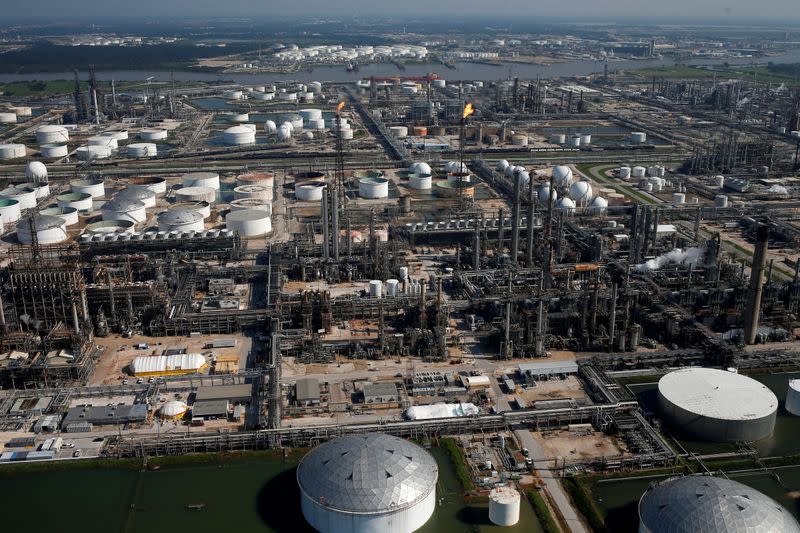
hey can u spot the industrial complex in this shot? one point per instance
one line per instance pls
(552, 280)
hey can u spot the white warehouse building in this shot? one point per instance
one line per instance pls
(370, 483)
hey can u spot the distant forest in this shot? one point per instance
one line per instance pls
(786, 69)
(47, 57)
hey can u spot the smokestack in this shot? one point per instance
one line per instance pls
(531, 212)
(753, 309)
(612, 316)
(515, 219)
(325, 224)
(335, 222)
(476, 247)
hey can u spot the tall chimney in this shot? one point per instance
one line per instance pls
(753, 309)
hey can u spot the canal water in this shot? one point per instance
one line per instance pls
(242, 495)
(462, 71)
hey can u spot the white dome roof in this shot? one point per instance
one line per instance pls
(502, 165)
(270, 127)
(580, 191)
(454, 166)
(565, 203)
(544, 193)
(562, 176)
(174, 408)
(420, 168)
(36, 171)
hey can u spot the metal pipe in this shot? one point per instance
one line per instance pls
(515, 219)
(335, 223)
(325, 226)
(612, 316)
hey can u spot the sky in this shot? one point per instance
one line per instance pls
(721, 10)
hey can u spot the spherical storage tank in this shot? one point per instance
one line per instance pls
(706, 504)
(716, 405)
(52, 134)
(270, 127)
(562, 176)
(373, 187)
(36, 171)
(94, 187)
(124, 209)
(598, 205)
(138, 192)
(372, 483)
(182, 220)
(543, 193)
(9, 210)
(567, 205)
(792, 393)
(238, 135)
(196, 194)
(201, 179)
(79, 200)
(12, 151)
(504, 506)
(580, 191)
(49, 229)
(249, 222)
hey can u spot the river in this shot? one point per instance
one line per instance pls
(463, 71)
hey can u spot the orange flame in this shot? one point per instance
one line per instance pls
(340, 106)
(468, 110)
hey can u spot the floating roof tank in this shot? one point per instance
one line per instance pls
(95, 187)
(249, 222)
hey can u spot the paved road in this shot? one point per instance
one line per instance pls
(551, 482)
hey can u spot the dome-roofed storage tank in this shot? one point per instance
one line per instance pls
(201, 179)
(142, 150)
(716, 405)
(36, 172)
(124, 209)
(48, 229)
(204, 208)
(52, 134)
(94, 187)
(153, 135)
(367, 483)
(420, 168)
(707, 504)
(196, 194)
(138, 192)
(79, 200)
(173, 409)
(562, 176)
(9, 210)
(12, 151)
(69, 214)
(792, 393)
(182, 220)
(504, 506)
(373, 187)
(249, 222)
(238, 135)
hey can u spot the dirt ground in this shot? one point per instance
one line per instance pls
(553, 390)
(573, 447)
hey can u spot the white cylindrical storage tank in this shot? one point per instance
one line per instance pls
(204, 208)
(119, 135)
(23, 111)
(574, 141)
(721, 201)
(504, 506)
(678, 198)
(624, 173)
(310, 192)
(249, 222)
(251, 203)
(652, 171)
(375, 288)
(373, 187)
(12, 151)
(180, 220)
(9, 210)
(196, 194)
(94, 151)
(142, 150)
(253, 190)
(233, 95)
(138, 192)
(310, 114)
(347, 134)
(94, 187)
(53, 151)
(103, 140)
(106, 227)
(8, 117)
(25, 196)
(792, 395)
(586, 138)
(558, 138)
(562, 176)
(201, 179)
(399, 132)
(403, 273)
(638, 172)
(36, 172)
(266, 179)
(69, 214)
(79, 200)
(392, 287)
(439, 84)
(238, 135)
(519, 139)
(240, 117)
(153, 135)
(270, 127)
(152, 183)
(419, 181)
(41, 190)
(49, 229)
(52, 134)
(719, 181)
(717, 405)
(638, 137)
(124, 209)
(371, 482)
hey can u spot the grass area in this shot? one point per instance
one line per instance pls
(542, 511)
(674, 71)
(459, 462)
(39, 88)
(750, 73)
(584, 504)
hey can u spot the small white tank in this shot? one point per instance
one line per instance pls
(719, 181)
(9, 210)
(504, 506)
(311, 192)
(558, 138)
(142, 150)
(403, 273)
(399, 132)
(721, 201)
(8, 117)
(153, 135)
(12, 151)
(419, 181)
(574, 141)
(52, 134)
(586, 138)
(624, 173)
(375, 288)
(678, 198)
(79, 200)
(638, 172)
(793, 397)
(637, 137)
(392, 287)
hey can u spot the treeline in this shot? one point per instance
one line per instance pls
(786, 69)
